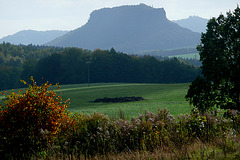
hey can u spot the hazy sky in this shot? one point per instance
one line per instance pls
(17, 15)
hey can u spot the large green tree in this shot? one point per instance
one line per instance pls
(220, 55)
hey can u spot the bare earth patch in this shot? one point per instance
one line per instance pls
(118, 99)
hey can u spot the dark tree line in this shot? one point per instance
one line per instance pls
(70, 66)
(14, 57)
(107, 66)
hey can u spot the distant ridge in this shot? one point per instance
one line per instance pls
(32, 37)
(129, 29)
(194, 23)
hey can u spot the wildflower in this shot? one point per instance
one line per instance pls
(201, 125)
(99, 128)
(41, 131)
(66, 143)
(151, 119)
(232, 133)
(107, 133)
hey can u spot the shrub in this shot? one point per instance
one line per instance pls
(88, 135)
(28, 121)
(234, 116)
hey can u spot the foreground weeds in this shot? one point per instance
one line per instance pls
(35, 125)
(149, 136)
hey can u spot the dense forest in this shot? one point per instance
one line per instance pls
(72, 65)
(14, 57)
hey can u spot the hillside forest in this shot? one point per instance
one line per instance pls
(76, 65)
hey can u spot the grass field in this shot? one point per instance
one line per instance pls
(170, 96)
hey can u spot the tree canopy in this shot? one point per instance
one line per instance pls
(69, 66)
(220, 55)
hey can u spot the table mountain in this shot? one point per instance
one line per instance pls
(129, 29)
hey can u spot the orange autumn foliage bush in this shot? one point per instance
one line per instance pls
(28, 121)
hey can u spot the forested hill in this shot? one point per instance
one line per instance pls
(32, 37)
(69, 65)
(129, 29)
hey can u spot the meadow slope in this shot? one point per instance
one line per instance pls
(170, 96)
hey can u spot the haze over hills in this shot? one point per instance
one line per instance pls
(129, 29)
(32, 37)
(194, 23)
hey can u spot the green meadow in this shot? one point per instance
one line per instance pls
(170, 96)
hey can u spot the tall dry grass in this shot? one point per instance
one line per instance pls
(149, 136)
